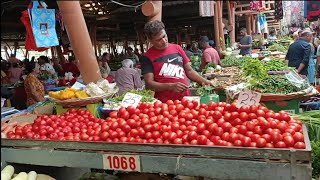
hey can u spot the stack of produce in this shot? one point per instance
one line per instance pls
(195, 62)
(174, 122)
(254, 69)
(276, 64)
(231, 61)
(226, 77)
(256, 74)
(276, 84)
(68, 93)
(278, 47)
(312, 120)
(8, 173)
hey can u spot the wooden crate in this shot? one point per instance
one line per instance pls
(233, 163)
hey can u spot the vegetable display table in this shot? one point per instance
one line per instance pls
(207, 161)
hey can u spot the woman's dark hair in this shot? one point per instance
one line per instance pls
(152, 28)
(15, 65)
(30, 66)
(72, 59)
(45, 58)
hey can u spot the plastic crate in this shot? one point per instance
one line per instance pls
(93, 108)
(291, 106)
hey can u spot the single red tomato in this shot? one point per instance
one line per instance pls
(280, 144)
(201, 139)
(237, 143)
(299, 145)
(261, 142)
(246, 141)
(298, 137)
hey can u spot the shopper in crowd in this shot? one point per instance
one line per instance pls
(71, 66)
(45, 65)
(104, 68)
(13, 60)
(166, 67)
(4, 72)
(209, 55)
(272, 36)
(245, 43)
(212, 44)
(136, 52)
(195, 50)
(33, 86)
(312, 65)
(132, 56)
(127, 77)
(299, 52)
(57, 67)
(15, 73)
(105, 57)
(187, 51)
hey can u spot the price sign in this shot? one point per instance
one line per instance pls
(121, 162)
(248, 97)
(131, 99)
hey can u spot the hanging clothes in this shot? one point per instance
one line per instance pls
(293, 12)
(312, 10)
(278, 10)
(262, 23)
(254, 5)
(206, 8)
(262, 4)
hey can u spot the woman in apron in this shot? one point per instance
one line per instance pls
(312, 66)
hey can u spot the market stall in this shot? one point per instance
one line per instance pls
(203, 148)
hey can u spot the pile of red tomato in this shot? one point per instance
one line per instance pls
(174, 122)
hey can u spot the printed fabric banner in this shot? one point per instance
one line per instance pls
(43, 23)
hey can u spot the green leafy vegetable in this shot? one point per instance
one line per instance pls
(254, 69)
(278, 47)
(276, 64)
(231, 61)
(276, 84)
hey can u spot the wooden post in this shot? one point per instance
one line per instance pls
(152, 9)
(178, 36)
(188, 39)
(53, 54)
(216, 27)
(253, 23)
(231, 10)
(93, 33)
(80, 40)
(16, 46)
(248, 24)
(62, 59)
(99, 48)
(26, 54)
(221, 38)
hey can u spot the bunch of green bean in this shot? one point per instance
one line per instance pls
(276, 84)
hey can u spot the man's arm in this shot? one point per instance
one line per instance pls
(306, 58)
(156, 86)
(194, 76)
(245, 46)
